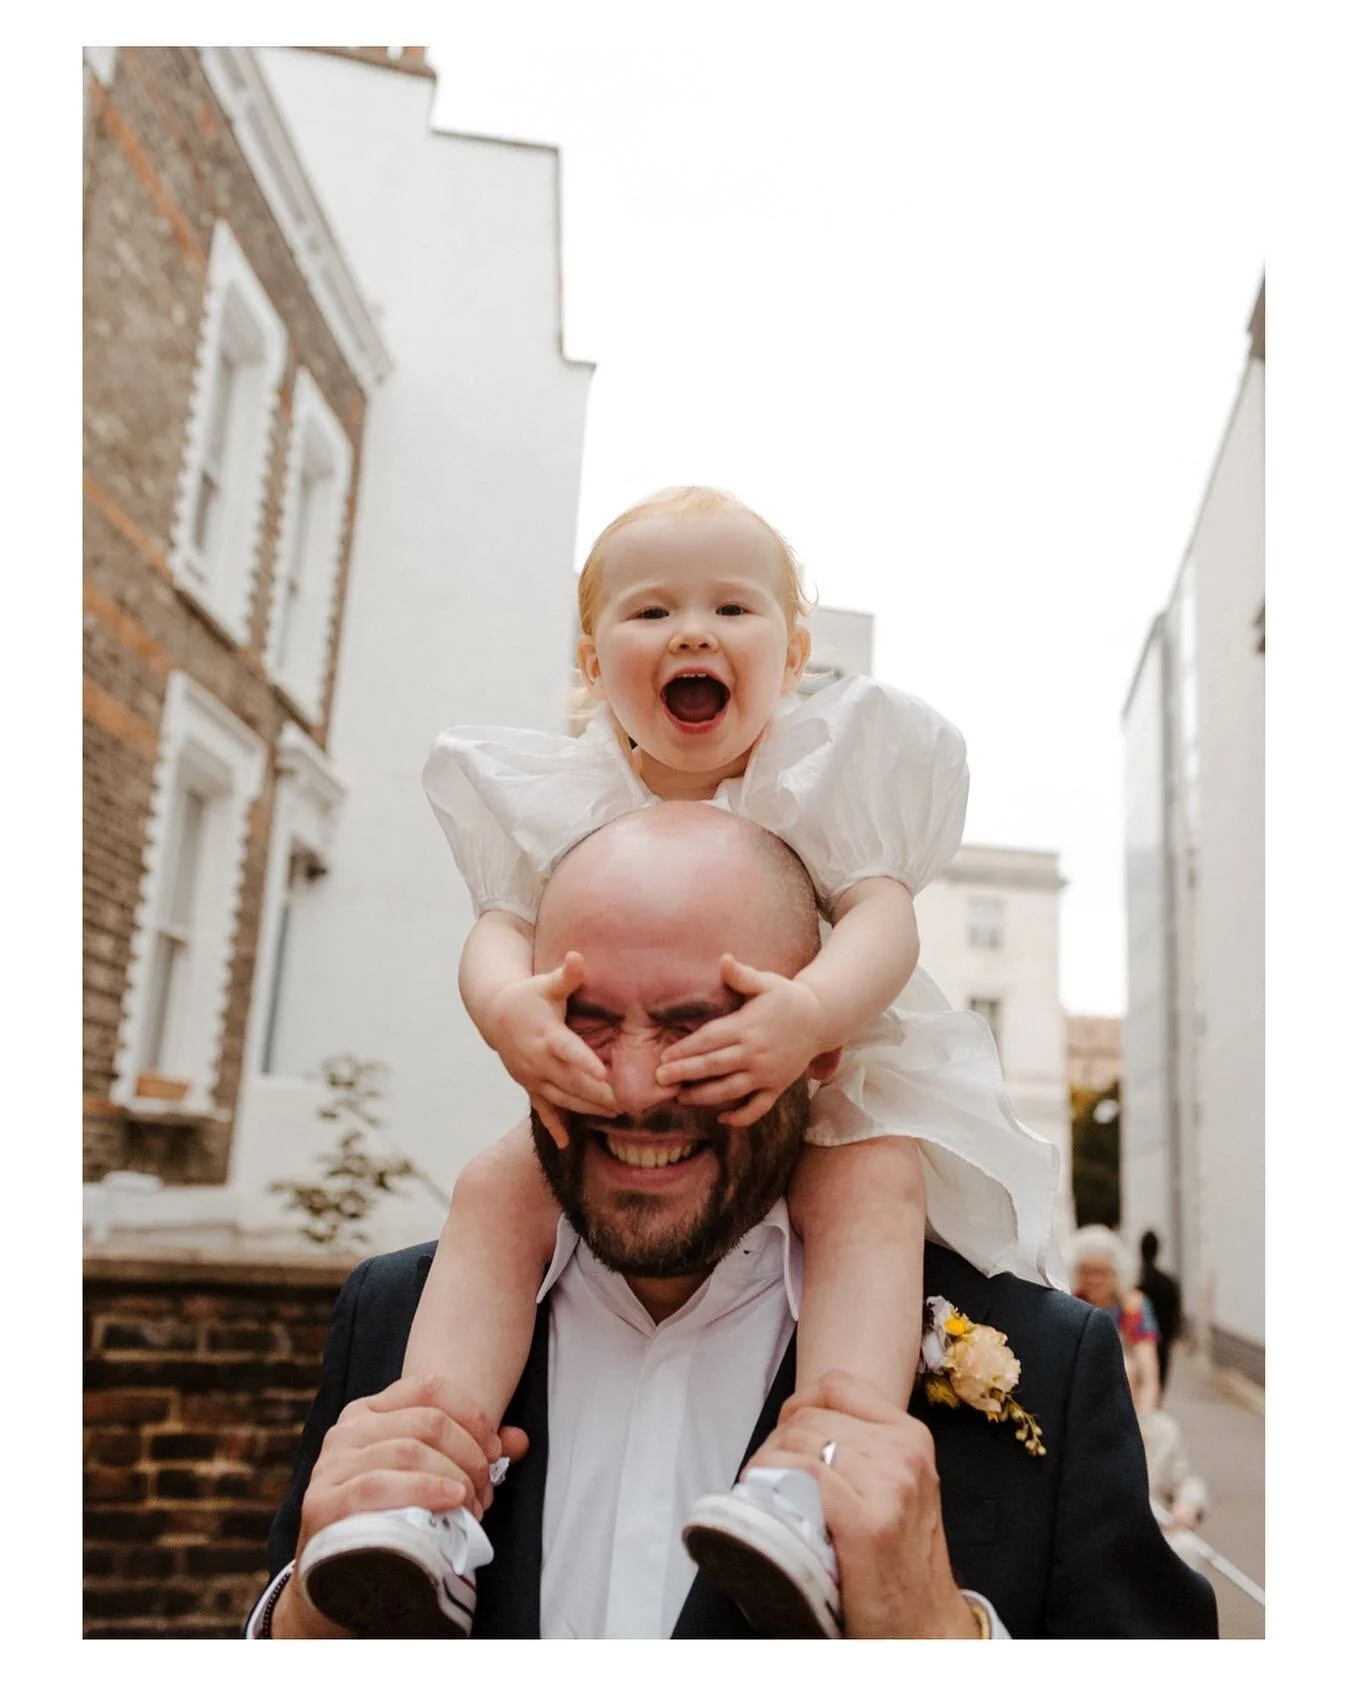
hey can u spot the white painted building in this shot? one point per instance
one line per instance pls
(459, 609)
(989, 928)
(1192, 1146)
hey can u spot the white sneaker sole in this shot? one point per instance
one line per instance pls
(784, 1590)
(379, 1575)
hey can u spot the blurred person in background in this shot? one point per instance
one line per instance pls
(1163, 1294)
(1099, 1265)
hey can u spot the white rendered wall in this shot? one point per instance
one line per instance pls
(1227, 554)
(459, 605)
(1149, 1197)
(1023, 975)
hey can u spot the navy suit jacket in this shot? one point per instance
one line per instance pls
(1064, 1545)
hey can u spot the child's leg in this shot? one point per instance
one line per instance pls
(475, 1319)
(859, 1210)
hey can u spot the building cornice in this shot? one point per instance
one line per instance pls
(237, 79)
(298, 755)
(1013, 869)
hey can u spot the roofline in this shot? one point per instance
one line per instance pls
(1156, 630)
(1255, 353)
(240, 85)
(426, 73)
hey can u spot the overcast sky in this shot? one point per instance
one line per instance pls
(957, 297)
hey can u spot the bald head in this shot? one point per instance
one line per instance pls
(683, 874)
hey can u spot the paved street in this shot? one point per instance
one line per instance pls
(1224, 1427)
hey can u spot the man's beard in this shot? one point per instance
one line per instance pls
(639, 1234)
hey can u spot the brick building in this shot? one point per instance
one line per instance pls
(229, 359)
(228, 362)
(329, 425)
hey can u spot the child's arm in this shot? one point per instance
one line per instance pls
(785, 1023)
(860, 1211)
(522, 1016)
(475, 1319)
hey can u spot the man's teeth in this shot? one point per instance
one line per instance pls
(632, 1155)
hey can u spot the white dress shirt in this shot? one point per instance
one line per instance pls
(646, 1418)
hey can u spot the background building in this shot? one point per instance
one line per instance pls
(229, 362)
(990, 934)
(1095, 1051)
(1193, 1099)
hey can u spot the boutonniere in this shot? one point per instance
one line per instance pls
(962, 1363)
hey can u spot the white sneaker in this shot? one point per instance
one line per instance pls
(399, 1574)
(766, 1547)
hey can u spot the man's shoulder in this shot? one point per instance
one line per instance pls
(1039, 1316)
(389, 1278)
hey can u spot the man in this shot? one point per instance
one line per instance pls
(663, 1354)
(1164, 1293)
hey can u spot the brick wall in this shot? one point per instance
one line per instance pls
(161, 163)
(198, 1376)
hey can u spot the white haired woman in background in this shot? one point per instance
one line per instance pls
(1099, 1268)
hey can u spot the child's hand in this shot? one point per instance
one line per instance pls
(529, 1031)
(754, 1052)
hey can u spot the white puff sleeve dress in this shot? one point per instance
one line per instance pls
(863, 782)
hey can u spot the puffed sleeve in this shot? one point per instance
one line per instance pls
(496, 870)
(863, 782)
(512, 802)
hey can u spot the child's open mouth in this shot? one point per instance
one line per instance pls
(695, 702)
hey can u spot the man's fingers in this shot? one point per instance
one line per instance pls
(514, 1442)
(383, 1490)
(432, 1390)
(414, 1426)
(404, 1454)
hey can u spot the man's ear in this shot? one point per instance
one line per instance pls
(825, 1065)
(588, 662)
(798, 654)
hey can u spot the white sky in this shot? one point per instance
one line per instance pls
(956, 297)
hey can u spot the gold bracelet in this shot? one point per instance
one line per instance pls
(980, 1617)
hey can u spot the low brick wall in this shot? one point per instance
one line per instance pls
(198, 1374)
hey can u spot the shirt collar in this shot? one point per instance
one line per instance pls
(769, 1246)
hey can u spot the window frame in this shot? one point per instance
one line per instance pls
(309, 552)
(986, 923)
(239, 327)
(309, 794)
(207, 751)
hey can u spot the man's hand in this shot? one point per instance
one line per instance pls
(420, 1442)
(527, 1026)
(882, 1505)
(752, 1053)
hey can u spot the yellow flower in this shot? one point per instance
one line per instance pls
(983, 1369)
(957, 1325)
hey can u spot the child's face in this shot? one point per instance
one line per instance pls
(691, 647)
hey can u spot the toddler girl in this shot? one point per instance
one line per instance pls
(692, 644)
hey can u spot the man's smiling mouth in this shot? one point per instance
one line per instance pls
(654, 1152)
